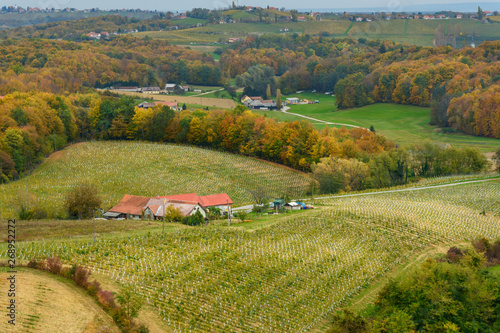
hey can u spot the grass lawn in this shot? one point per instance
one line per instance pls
(403, 124)
(495, 270)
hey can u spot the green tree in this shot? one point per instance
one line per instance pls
(242, 215)
(13, 144)
(268, 91)
(278, 99)
(173, 214)
(480, 13)
(256, 79)
(496, 158)
(82, 200)
(130, 303)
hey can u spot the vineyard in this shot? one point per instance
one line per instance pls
(290, 275)
(118, 168)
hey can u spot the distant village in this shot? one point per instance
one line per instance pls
(296, 15)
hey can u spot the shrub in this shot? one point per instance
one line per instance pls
(193, 220)
(82, 200)
(33, 264)
(106, 298)
(94, 288)
(82, 277)
(54, 265)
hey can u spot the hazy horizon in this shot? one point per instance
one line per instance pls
(387, 5)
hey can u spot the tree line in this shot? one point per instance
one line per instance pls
(35, 124)
(363, 72)
(63, 67)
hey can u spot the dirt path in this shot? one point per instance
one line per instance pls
(318, 120)
(206, 93)
(407, 189)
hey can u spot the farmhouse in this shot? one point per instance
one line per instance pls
(94, 35)
(261, 104)
(130, 207)
(169, 87)
(137, 207)
(172, 105)
(221, 201)
(154, 209)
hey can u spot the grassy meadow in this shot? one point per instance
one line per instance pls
(292, 272)
(403, 124)
(119, 168)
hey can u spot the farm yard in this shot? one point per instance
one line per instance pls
(118, 168)
(288, 276)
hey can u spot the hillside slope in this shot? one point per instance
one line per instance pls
(119, 168)
(288, 276)
(46, 304)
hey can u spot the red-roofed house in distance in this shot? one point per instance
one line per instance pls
(155, 208)
(130, 207)
(221, 201)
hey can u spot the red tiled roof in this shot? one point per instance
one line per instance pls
(205, 201)
(169, 104)
(131, 204)
(216, 200)
(255, 98)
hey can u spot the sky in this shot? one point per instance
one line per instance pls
(169, 5)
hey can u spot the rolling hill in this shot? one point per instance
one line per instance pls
(119, 168)
(289, 275)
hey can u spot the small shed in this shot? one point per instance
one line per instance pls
(293, 206)
(278, 203)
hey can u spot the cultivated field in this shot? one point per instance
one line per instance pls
(119, 168)
(213, 102)
(417, 32)
(288, 276)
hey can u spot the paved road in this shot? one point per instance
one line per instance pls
(206, 93)
(406, 189)
(318, 120)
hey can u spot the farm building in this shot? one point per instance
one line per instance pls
(220, 201)
(294, 205)
(130, 89)
(261, 104)
(150, 90)
(155, 208)
(169, 87)
(137, 207)
(292, 100)
(130, 207)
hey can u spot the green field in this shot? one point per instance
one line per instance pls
(417, 32)
(291, 274)
(119, 168)
(403, 124)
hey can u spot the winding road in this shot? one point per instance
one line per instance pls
(314, 119)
